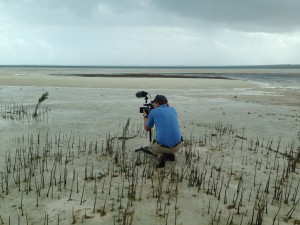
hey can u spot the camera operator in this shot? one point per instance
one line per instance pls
(168, 136)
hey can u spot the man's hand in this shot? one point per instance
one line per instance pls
(145, 114)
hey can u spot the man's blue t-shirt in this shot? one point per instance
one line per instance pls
(166, 125)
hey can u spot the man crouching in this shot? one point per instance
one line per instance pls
(168, 136)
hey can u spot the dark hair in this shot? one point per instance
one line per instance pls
(161, 102)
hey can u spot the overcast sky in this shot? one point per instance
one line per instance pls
(150, 32)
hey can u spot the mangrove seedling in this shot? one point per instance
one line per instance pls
(41, 99)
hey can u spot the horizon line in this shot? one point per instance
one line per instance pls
(152, 66)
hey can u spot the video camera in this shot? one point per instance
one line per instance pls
(147, 106)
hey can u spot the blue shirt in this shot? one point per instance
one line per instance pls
(166, 125)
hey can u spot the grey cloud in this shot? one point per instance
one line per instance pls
(79, 13)
(259, 15)
(252, 15)
(145, 32)
(44, 12)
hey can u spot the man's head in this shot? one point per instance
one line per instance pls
(160, 100)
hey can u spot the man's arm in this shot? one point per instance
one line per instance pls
(145, 122)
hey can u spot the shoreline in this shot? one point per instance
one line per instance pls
(241, 90)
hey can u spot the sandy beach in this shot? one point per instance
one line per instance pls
(120, 82)
(76, 162)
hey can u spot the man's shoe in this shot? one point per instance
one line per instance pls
(161, 162)
(171, 157)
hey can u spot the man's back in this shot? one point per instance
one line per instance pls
(166, 125)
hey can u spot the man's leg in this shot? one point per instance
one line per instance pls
(158, 151)
(163, 154)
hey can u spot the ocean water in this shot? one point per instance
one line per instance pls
(284, 76)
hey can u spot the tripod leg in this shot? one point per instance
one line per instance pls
(145, 149)
(150, 136)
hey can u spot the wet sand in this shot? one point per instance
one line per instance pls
(120, 82)
(76, 163)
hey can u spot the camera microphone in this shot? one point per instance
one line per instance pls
(141, 94)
